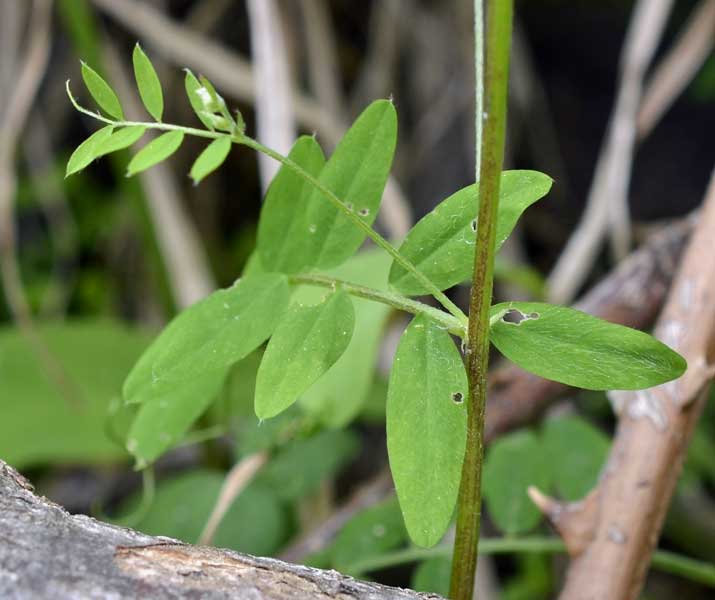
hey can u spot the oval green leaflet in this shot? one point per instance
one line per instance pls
(307, 342)
(427, 428)
(148, 83)
(441, 244)
(572, 347)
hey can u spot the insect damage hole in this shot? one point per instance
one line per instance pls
(474, 224)
(458, 397)
(515, 317)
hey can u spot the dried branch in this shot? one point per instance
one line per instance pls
(323, 69)
(677, 69)
(271, 74)
(638, 480)
(607, 203)
(234, 483)
(48, 554)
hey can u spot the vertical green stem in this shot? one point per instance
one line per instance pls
(498, 42)
(478, 81)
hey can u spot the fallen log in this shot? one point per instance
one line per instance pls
(46, 553)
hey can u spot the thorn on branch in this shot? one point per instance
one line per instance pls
(575, 522)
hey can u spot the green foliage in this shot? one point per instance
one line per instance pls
(577, 349)
(43, 423)
(154, 152)
(120, 139)
(515, 462)
(192, 86)
(337, 397)
(315, 217)
(210, 336)
(148, 83)
(576, 452)
(426, 428)
(163, 420)
(88, 150)
(307, 341)
(283, 225)
(255, 522)
(310, 232)
(566, 457)
(432, 575)
(210, 159)
(442, 244)
(101, 92)
(301, 465)
(368, 534)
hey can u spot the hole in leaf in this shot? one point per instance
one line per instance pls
(515, 317)
(364, 212)
(458, 397)
(474, 224)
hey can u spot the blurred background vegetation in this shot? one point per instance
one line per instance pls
(94, 265)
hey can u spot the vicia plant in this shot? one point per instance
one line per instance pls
(316, 215)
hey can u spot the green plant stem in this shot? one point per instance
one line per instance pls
(695, 570)
(360, 224)
(478, 79)
(498, 42)
(453, 325)
(329, 195)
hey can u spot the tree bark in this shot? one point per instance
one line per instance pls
(46, 553)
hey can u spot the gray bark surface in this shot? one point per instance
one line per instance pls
(46, 553)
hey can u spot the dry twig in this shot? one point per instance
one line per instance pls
(677, 69)
(617, 527)
(234, 483)
(607, 203)
(271, 75)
